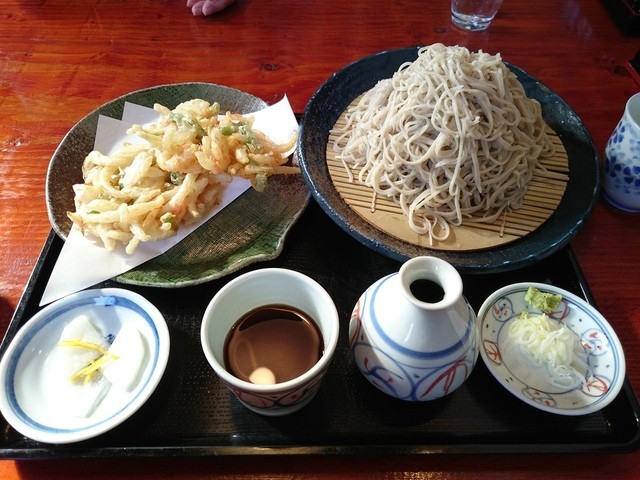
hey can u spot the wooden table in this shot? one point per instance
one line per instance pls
(59, 60)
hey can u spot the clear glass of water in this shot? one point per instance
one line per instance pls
(474, 15)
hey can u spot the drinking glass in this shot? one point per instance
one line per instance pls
(474, 15)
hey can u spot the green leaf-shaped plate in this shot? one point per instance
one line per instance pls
(251, 229)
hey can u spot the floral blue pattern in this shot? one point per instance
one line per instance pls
(621, 179)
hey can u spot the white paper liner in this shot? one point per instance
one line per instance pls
(83, 261)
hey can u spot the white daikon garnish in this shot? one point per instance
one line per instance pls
(131, 352)
(81, 344)
(547, 342)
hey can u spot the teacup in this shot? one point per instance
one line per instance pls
(621, 178)
(252, 291)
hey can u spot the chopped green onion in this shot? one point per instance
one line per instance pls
(227, 130)
(176, 178)
(168, 218)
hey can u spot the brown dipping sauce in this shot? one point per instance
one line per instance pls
(427, 291)
(274, 343)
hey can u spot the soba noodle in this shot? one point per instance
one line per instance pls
(449, 136)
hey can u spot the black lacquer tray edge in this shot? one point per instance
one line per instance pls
(197, 448)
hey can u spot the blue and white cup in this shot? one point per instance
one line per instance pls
(621, 177)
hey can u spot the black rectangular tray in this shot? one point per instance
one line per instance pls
(192, 413)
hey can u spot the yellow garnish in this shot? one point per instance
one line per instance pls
(83, 344)
(87, 373)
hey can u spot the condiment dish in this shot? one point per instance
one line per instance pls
(34, 396)
(602, 363)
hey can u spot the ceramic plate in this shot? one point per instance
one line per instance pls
(35, 406)
(328, 103)
(605, 363)
(251, 229)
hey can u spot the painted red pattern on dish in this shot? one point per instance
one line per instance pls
(449, 375)
(492, 351)
(595, 387)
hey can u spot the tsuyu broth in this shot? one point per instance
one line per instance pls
(426, 290)
(272, 344)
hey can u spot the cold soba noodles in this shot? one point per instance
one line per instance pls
(449, 136)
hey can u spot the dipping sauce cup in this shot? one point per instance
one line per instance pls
(252, 291)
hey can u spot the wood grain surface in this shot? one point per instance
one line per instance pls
(59, 60)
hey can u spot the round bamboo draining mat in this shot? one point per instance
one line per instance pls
(543, 196)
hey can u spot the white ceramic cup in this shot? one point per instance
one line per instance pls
(270, 286)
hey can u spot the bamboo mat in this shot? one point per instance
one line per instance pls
(543, 196)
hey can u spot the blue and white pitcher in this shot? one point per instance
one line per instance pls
(413, 333)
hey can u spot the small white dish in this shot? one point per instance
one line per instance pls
(29, 401)
(605, 372)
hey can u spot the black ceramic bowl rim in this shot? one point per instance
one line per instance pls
(337, 92)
